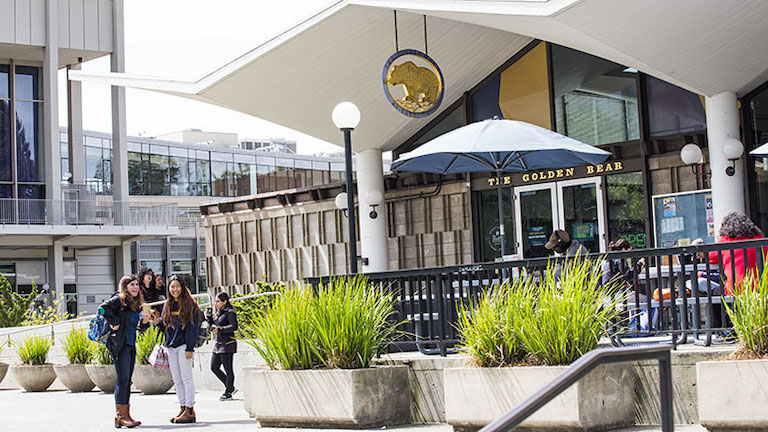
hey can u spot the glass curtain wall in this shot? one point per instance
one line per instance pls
(758, 113)
(29, 143)
(6, 179)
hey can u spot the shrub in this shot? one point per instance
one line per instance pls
(749, 313)
(283, 334)
(33, 350)
(565, 319)
(253, 307)
(351, 321)
(490, 330)
(101, 355)
(77, 347)
(48, 315)
(14, 307)
(145, 343)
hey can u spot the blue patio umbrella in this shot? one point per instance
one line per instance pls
(499, 146)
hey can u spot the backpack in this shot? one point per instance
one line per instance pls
(98, 329)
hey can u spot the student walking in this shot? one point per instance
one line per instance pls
(122, 312)
(224, 325)
(180, 321)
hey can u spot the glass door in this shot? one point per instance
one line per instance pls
(535, 209)
(580, 209)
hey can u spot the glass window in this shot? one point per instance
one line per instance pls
(135, 182)
(595, 99)
(320, 177)
(5, 91)
(626, 208)
(673, 110)
(452, 121)
(5, 140)
(243, 179)
(28, 148)
(220, 173)
(27, 87)
(485, 101)
(489, 224)
(758, 108)
(178, 172)
(283, 178)
(264, 178)
(183, 269)
(158, 174)
(303, 178)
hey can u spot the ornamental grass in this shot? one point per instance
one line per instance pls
(101, 355)
(341, 325)
(33, 350)
(749, 313)
(77, 347)
(145, 343)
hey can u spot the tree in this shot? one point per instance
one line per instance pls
(14, 307)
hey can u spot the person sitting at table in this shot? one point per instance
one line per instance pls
(737, 227)
(623, 273)
(705, 280)
(560, 242)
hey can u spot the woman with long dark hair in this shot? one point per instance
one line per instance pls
(180, 321)
(224, 325)
(147, 284)
(122, 312)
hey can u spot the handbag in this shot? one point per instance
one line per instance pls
(159, 357)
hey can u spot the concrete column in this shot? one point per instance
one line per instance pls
(119, 134)
(75, 129)
(56, 273)
(52, 148)
(122, 260)
(373, 232)
(723, 123)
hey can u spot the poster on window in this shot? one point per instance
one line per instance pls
(670, 207)
(537, 236)
(584, 231)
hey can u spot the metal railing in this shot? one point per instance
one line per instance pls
(582, 367)
(428, 299)
(107, 212)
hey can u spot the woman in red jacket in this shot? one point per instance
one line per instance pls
(737, 227)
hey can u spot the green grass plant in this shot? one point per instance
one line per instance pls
(749, 313)
(490, 330)
(283, 335)
(566, 317)
(254, 307)
(352, 321)
(145, 343)
(101, 355)
(77, 346)
(33, 350)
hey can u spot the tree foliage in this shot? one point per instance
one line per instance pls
(14, 307)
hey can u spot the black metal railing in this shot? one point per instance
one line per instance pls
(582, 367)
(666, 291)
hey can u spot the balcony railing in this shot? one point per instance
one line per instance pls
(86, 212)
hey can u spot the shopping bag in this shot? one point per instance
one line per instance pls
(159, 357)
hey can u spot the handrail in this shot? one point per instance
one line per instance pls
(582, 367)
(235, 299)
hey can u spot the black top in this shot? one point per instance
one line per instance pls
(226, 323)
(117, 314)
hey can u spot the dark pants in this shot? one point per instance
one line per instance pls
(124, 363)
(228, 376)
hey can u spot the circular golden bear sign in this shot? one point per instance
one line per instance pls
(413, 83)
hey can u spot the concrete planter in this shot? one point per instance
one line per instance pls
(151, 380)
(604, 399)
(34, 378)
(732, 394)
(341, 398)
(104, 376)
(3, 371)
(74, 377)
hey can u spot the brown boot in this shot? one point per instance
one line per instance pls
(187, 417)
(181, 411)
(128, 414)
(123, 418)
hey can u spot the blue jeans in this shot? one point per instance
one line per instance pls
(124, 363)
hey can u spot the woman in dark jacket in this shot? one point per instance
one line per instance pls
(148, 288)
(122, 312)
(224, 325)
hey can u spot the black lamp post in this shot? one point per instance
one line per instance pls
(346, 116)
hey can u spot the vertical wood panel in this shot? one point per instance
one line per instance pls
(37, 13)
(76, 36)
(105, 25)
(91, 24)
(7, 21)
(23, 22)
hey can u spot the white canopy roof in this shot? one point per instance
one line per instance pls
(296, 78)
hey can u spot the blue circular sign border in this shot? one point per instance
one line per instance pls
(394, 103)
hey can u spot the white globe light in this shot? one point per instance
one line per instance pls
(691, 154)
(341, 201)
(733, 148)
(346, 115)
(374, 197)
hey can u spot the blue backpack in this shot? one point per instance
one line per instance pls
(98, 329)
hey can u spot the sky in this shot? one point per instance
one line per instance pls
(187, 39)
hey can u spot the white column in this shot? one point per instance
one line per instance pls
(373, 232)
(119, 134)
(75, 128)
(56, 273)
(51, 145)
(122, 260)
(723, 123)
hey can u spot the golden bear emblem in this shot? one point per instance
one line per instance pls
(422, 87)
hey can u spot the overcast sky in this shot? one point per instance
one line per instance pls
(187, 39)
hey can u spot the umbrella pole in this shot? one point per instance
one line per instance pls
(501, 213)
